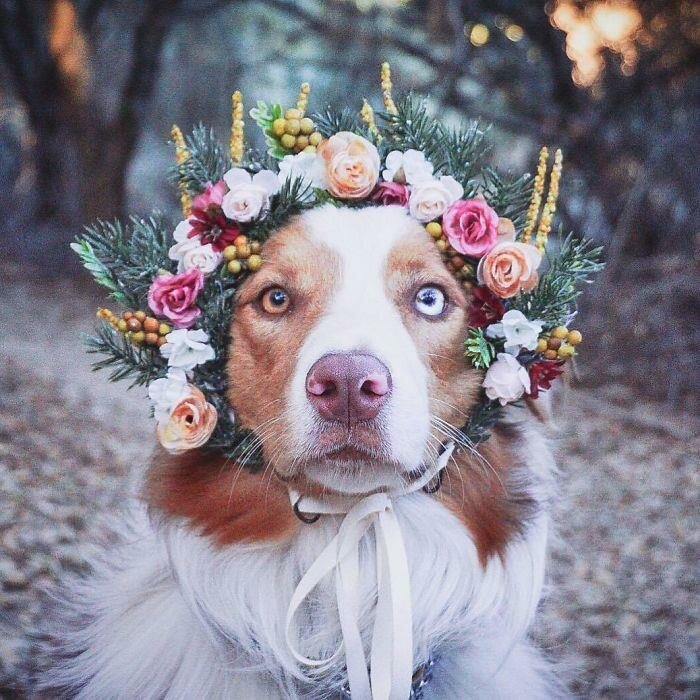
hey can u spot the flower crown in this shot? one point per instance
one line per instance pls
(177, 285)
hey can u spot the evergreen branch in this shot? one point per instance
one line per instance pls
(553, 300)
(207, 162)
(510, 197)
(294, 196)
(132, 256)
(413, 127)
(463, 151)
(485, 414)
(93, 265)
(332, 121)
(478, 349)
(126, 360)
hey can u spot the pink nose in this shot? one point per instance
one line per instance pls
(348, 387)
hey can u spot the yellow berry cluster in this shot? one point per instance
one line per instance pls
(137, 327)
(560, 344)
(243, 255)
(296, 132)
(454, 261)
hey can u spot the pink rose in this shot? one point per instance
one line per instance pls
(471, 227)
(213, 195)
(174, 296)
(391, 193)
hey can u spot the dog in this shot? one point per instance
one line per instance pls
(346, 361)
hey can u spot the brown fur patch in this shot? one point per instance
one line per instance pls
(489, 493)
(485, 492)
(227, 504)
(264, 346)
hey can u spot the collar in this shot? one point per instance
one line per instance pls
(390, 674)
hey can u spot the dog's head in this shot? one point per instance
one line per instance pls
(346, 353)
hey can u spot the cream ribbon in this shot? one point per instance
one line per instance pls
(390, 672)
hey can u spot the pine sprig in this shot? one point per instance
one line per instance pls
(126, 360)
(478, 349)
(485, 414)
(207, 162)
(413, 127)
(553, 300)
(100, 272)
(294, 196)
(331, 121)
(464, 149)
(132, 255)
(510, 197)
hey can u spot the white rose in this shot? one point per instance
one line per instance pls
(307, 166)
(167, 392)
(506, 379)
(189, 252)
(517, 331)
(408, 168)
(430, 199)
(248, 196)
(185, 349)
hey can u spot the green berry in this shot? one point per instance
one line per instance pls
(278, 126)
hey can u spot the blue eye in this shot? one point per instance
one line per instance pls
(429, 301)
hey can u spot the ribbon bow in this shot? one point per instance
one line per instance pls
(391, 660)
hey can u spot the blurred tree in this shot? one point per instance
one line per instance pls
(614, 82)
(82, 145)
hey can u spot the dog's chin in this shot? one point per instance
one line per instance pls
(348, 472)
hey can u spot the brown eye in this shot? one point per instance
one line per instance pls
(274, 300)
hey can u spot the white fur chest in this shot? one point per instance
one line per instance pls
(239, 595)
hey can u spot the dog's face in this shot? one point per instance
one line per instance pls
(347, 349)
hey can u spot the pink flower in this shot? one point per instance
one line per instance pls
(174, 296)
(391, 193)
(471, 227)
(213, 195)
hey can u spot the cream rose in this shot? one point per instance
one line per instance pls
(510, 268)
(506, 379)
(190, 423)
(431, 198)
(351, 164)
(189, 252)
(249, 195)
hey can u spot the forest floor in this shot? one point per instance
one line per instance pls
(622, 614)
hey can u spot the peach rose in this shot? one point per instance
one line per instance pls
(510, 268)
(352, 165)
(190, 424)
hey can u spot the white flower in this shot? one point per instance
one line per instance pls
(408, 168)
(517, 331)
(185, 349)
(189, 252)
(430, 199)
(248, 196)
(506, 379)
(307, 166)
(167, 392)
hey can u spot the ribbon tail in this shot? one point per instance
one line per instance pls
(347, 581)
(397, 591)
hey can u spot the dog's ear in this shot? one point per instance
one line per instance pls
(219, 499)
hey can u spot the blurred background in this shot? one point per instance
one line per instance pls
(88, 92)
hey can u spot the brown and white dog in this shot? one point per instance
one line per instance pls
(347, 362)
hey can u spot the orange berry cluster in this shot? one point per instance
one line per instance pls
(137, 327)
(559, 344)
(454, 261)
(243, 255)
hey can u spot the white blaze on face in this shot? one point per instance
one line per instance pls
(362, 318)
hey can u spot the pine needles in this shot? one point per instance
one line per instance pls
(554, 299)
